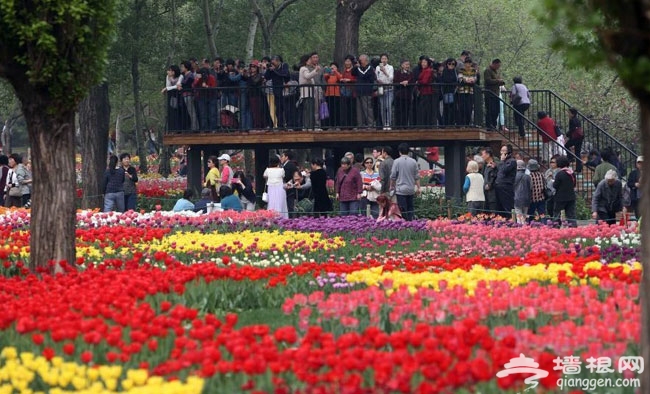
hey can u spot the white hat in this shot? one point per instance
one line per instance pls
(639, 159)
(231, 108)
(225, 157)
(611, 174)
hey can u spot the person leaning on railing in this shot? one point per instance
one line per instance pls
(348, 104)
(404, 82)
(332, 77)
(467, 79)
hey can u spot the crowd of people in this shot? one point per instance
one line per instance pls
(513, 185)
(375, 186)
(362, 92)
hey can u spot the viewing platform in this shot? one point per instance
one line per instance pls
(334, 138)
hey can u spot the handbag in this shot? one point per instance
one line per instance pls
(448, 98)
(324, 110)
(516, 99)
(14, 191)
(265, 195)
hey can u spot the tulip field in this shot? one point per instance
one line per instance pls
(248, 303)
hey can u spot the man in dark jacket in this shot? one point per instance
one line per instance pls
(278, 74)
(489, 177)
(366, 77)
(493, 81)
(608, 198)
(565, 195)
(504, 184)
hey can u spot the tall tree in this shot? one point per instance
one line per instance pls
(94, 119)
(211, 29)
(138, 13)
(268, 23)
(618, 33)
(52, 53)
(348, 19)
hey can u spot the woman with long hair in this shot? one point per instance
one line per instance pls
(388, 210)
(174, 102)
(244, 188)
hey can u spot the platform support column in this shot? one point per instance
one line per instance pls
(194, 180)
(454, 171)
(261, 162)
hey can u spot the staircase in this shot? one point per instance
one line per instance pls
(557, 108)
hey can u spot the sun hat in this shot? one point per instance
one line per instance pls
(533, 165)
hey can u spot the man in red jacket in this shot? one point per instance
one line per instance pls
(547, 125)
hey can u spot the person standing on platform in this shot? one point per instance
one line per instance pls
(493, 83)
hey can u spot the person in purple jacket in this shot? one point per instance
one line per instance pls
(348, 187)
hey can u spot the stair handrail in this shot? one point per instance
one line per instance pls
(530, 122)
(588, 120)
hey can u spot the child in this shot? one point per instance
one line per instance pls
(473, 189)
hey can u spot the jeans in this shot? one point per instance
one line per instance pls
(130, 201)
(386, 106)
(308, 118)
(405, 204)
(475, 207)
(465, 108)
(348, 208)
(114, 202)
(374, 207)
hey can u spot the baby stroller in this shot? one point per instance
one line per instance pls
(229, 121)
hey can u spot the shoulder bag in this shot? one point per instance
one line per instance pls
(14, 191)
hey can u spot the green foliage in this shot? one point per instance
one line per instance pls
(57, 46)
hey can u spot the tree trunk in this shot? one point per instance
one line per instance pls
(209, 32)
(644, 106)
(250, 42)
(348, 19)
(266, 45)
(53, 151)
(135, 77)
(94, 119)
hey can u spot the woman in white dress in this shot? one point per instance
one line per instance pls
(274, 176)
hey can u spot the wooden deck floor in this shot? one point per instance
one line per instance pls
(331, 138)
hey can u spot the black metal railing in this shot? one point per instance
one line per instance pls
(595, 137)
(318, 107)
(535, 142)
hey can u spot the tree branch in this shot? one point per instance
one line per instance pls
(276, 14)
(263, 23)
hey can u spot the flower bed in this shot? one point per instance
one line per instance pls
(248, 303)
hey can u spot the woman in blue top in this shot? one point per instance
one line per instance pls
(229, 200)
(113, 186)
(184, 204)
